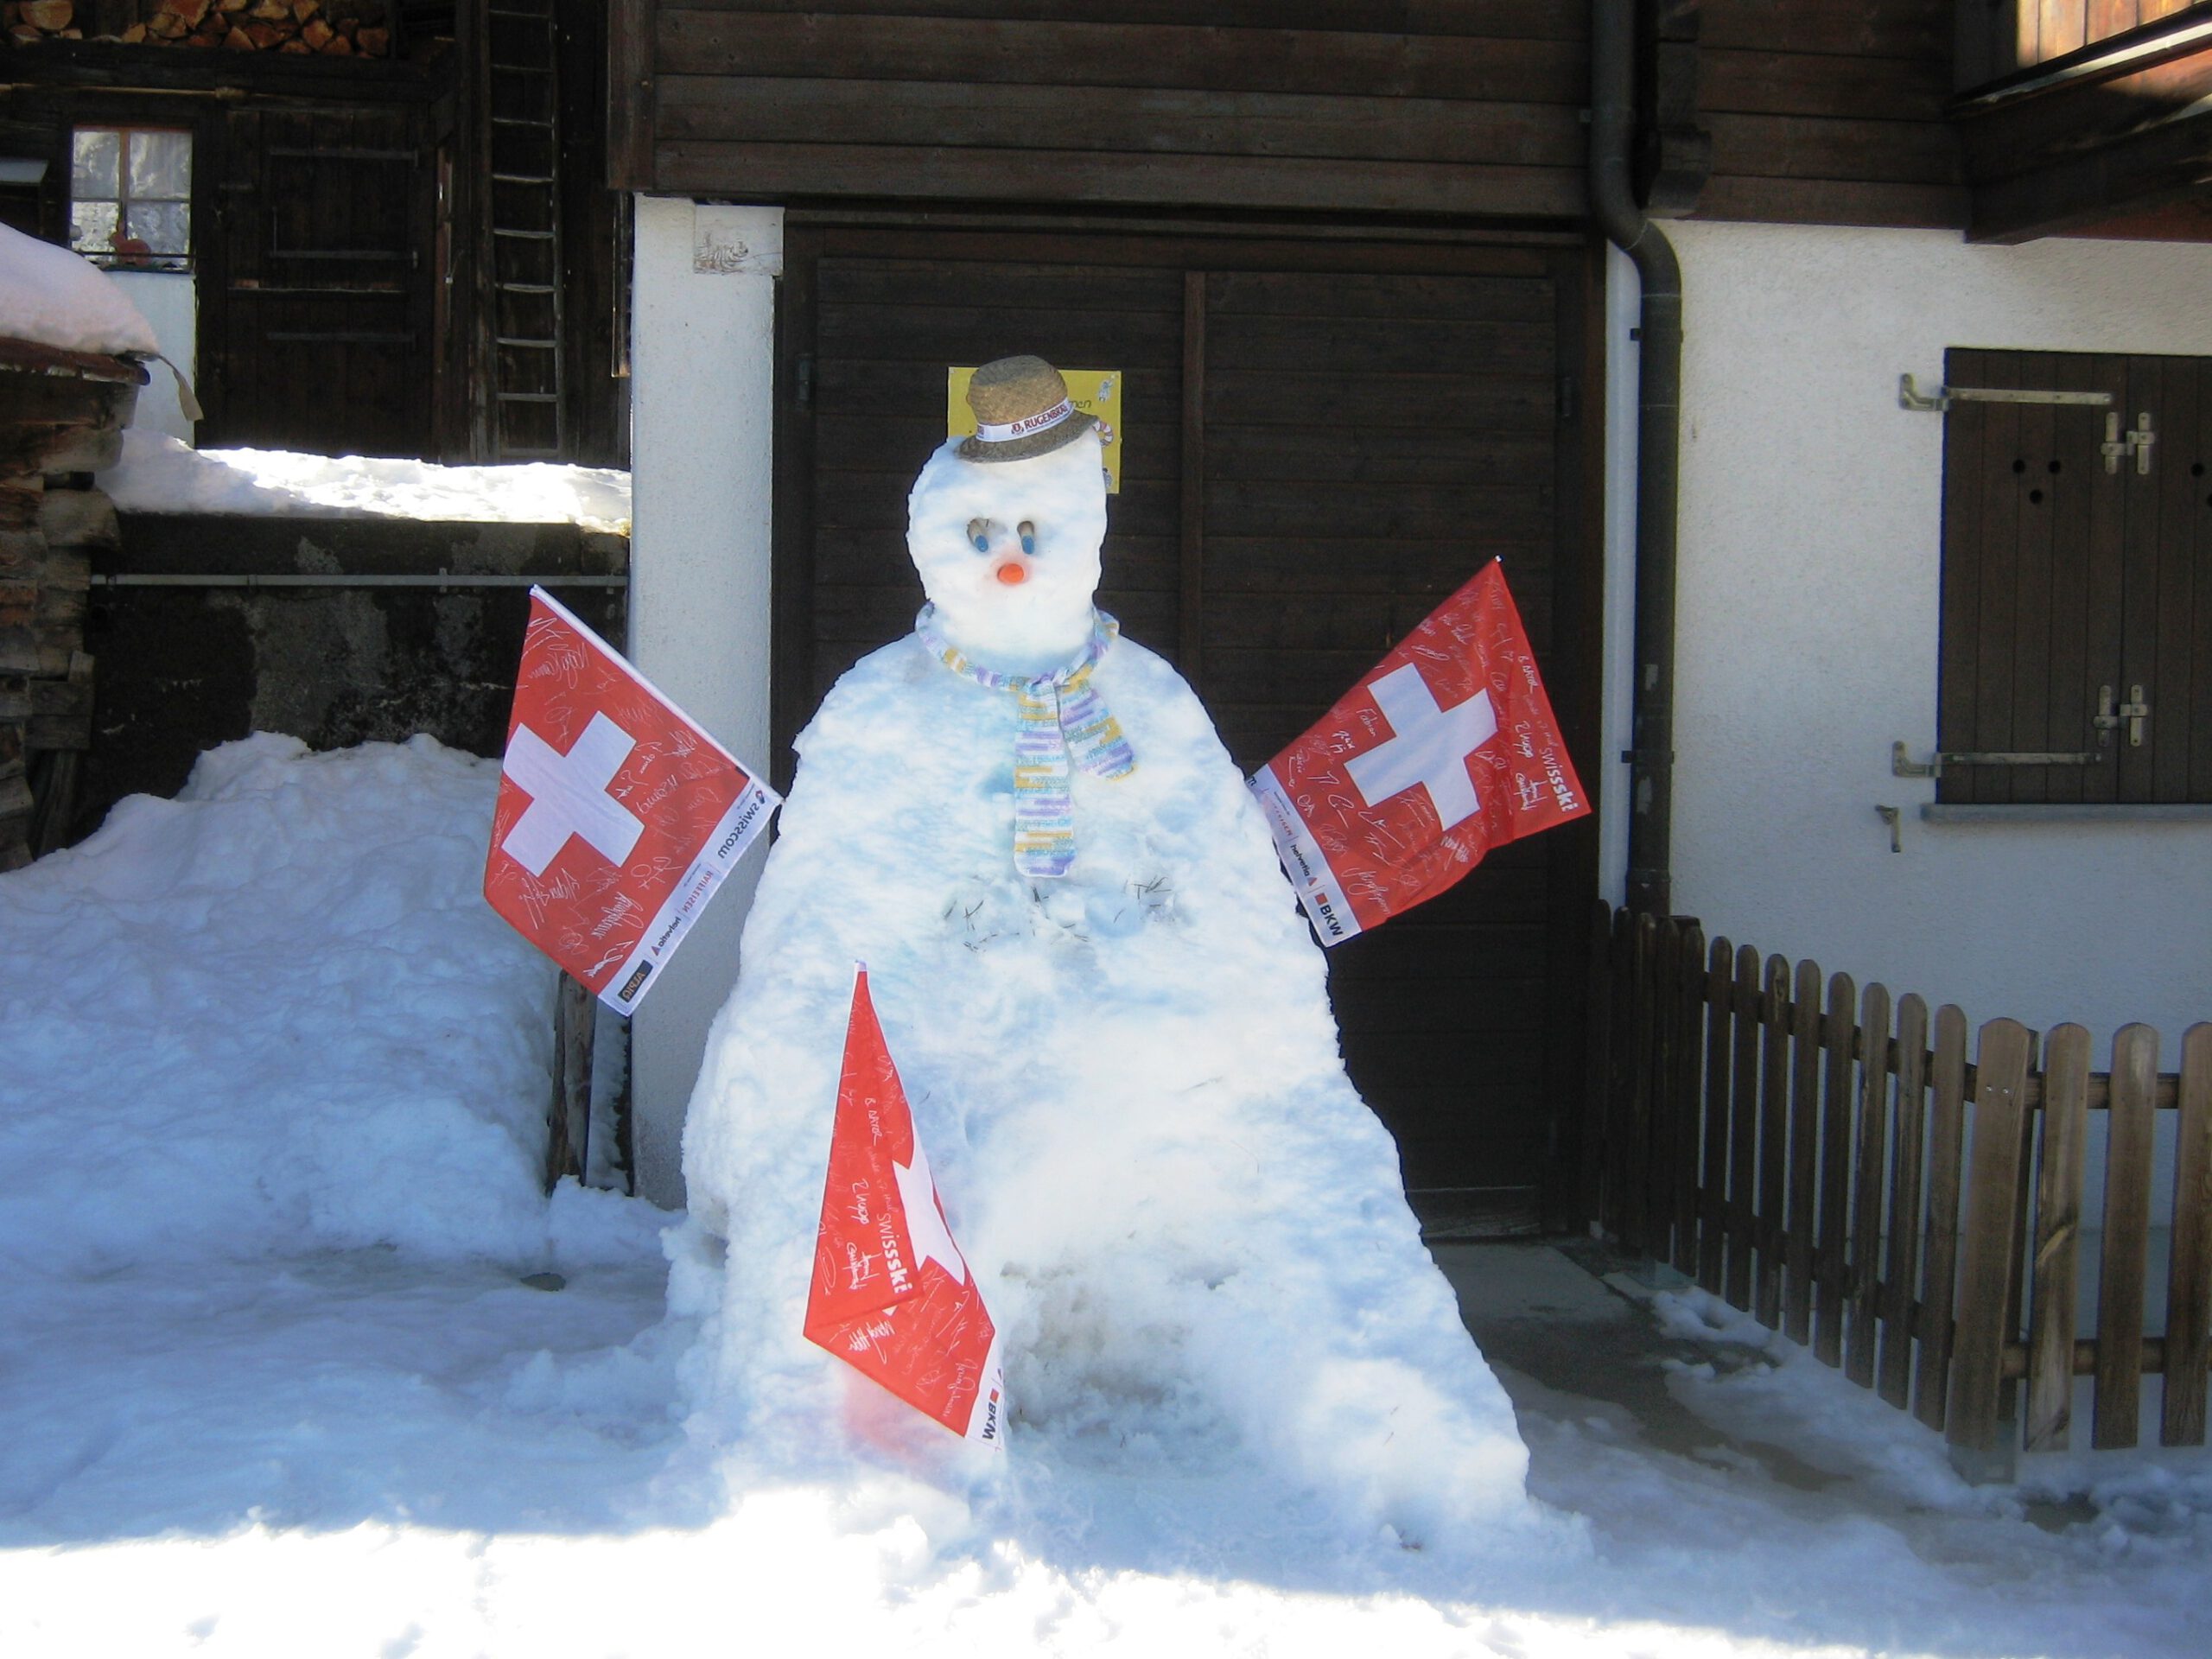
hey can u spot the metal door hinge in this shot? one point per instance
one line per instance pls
(2117, 445)
(2134, 711)
(1911, 396)
(1902, 765)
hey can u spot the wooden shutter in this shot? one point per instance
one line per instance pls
(2066, 572)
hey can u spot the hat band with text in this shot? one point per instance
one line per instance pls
(993, 432)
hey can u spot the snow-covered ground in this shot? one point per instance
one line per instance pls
(159, 473)
(272, 1381)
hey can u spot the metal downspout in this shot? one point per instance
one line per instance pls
(1651, 744)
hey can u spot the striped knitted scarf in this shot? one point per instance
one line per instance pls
(1061, 713)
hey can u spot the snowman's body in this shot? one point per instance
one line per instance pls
(1187, 1225)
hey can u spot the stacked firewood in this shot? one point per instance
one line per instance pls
(61, 419)
(338, 28)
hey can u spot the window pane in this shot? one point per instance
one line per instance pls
(161, 165)
(92, 226)
(96, 160)
(163, 226)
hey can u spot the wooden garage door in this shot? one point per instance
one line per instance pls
(1319, 443)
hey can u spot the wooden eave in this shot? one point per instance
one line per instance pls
(2119, 128)
(106, 67)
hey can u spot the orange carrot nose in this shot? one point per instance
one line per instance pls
(1013, 574)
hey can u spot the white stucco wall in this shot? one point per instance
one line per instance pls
(702, 406)
(1810, 538)
(169, 300)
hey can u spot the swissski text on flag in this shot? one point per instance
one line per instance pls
(1446, 749)
(617, 818)
(893, 1296)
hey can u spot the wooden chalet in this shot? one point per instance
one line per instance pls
(1345, 253)
(390, 215)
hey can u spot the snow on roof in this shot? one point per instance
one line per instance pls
(159, 473)
(54, 297)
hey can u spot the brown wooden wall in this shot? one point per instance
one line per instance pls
(1830, 113)
(1819, 109)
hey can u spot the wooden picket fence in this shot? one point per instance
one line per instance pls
(1910, 1211)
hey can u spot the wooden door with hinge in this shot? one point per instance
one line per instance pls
(1319, 443)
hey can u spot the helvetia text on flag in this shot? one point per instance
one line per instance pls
(893, 1296)
(617, 818)
(1447, 748)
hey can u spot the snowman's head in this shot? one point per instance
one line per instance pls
(1008, 551)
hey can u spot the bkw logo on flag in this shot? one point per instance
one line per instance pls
(1447, 748)
(617, 818)
(892, 1297)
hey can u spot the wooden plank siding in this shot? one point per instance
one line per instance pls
(1826, 111)
(1830, 114)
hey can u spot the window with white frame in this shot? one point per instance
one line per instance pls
(131, 196)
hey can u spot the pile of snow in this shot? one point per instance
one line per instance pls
(159, 473)
(274, 1014)
(54, 297)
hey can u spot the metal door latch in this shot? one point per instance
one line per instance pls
(2134, 711)
(2119, 445)
(1902, 765)
(1911, 396)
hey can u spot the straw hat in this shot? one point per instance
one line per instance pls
(1021, 409)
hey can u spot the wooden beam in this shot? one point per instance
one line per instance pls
(629, 94)
(782, 171)
(2145, 169)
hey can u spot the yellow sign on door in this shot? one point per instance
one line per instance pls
(1097, 392)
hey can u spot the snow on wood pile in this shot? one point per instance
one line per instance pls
(51, 296)
(158, 474)
(337, 28)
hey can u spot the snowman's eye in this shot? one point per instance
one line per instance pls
(1028, 536)
(979, 534)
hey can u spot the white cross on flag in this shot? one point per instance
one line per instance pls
(617, 818)
(1447, 748)
(891, 1294)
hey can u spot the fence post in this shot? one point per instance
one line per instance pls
(1865, 1274)
(2058, 1241)
(1689, 1041)
(2119, 1397)
(1901, 1263)
(1659, 1083)
(1804, 1153)
(1837, 1101)
(1713, 1206)
(1945, 1144)
(1744, 1130)
(1985, 1280)
(2188, 1279)
(1774, 1138)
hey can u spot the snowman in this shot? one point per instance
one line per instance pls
(1113, 1026)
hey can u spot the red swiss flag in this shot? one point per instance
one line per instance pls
(1447, 748)
(893, 1296)
(617, 817)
